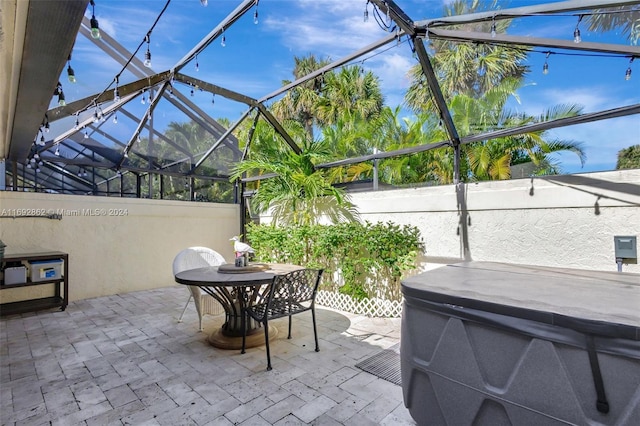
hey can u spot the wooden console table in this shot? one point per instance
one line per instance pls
(59, 299)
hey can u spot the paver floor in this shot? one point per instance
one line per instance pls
(125, 360)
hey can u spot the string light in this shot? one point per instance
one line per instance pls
(57, 153)
(46, 123)
(366, 11)
(86, 133)
(71, 75)
(255, 14)
(493, 27)
(116, 92)
(147, 55)
(627, 74)
(115, 118)
(197, 64)
(576, 32)
(213, 99)
(223, 42)
(77, 125)
(144, 96)
(58, 91)
(95, 29)
(545, 67)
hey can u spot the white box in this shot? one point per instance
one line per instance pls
(46, 270)
(15, 275)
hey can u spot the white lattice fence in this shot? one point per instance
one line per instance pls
(370, 307)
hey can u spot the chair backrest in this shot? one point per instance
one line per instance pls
(196, 257)
(295, 287)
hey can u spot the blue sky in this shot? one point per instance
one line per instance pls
(258, 57)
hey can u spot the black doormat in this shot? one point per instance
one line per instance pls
(385, 365)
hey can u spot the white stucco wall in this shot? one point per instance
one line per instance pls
(110, 254)
(566, 221)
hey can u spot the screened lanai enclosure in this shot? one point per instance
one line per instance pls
(96, 101)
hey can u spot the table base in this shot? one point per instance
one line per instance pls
(219, 340)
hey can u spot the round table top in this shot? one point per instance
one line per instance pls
(210, 276)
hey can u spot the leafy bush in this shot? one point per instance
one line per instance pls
(362, 260)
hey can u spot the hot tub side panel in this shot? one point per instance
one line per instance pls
(456, 371)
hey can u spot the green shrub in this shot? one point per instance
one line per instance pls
(362, 260)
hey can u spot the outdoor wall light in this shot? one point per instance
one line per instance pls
(95, 29)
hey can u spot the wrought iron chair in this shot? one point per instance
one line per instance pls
(198, 257)
(287, 295)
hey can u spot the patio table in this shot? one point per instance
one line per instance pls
(235, 289)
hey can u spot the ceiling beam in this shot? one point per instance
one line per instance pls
(471, 37)
(50, 34)
(545, 8)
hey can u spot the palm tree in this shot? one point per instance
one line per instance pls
(300, 103)
(349, 94)
(625, 19)
(298, 194)
(492, 159)
(466, 68)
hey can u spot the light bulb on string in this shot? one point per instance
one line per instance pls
(493, 27)
(42, 140)
(366, 11)
(57, 153)
(115, 118)
(223, 42)
(95, 29)
(545, 67)
(143, 100)
(58, 91)
(213, 99)
(197, 64)
(576, 32)
(37, 169)
(40, 163)
(255, 13)
(116, 92)
(71, 75)
(86, 134)
(47, 128)
(147, 55)
(77, 125)
(36, 156)
(627, 74)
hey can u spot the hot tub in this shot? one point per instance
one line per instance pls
(495, 344)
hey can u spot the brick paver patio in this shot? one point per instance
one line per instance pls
(125, 360)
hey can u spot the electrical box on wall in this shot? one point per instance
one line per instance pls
(626, 247)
